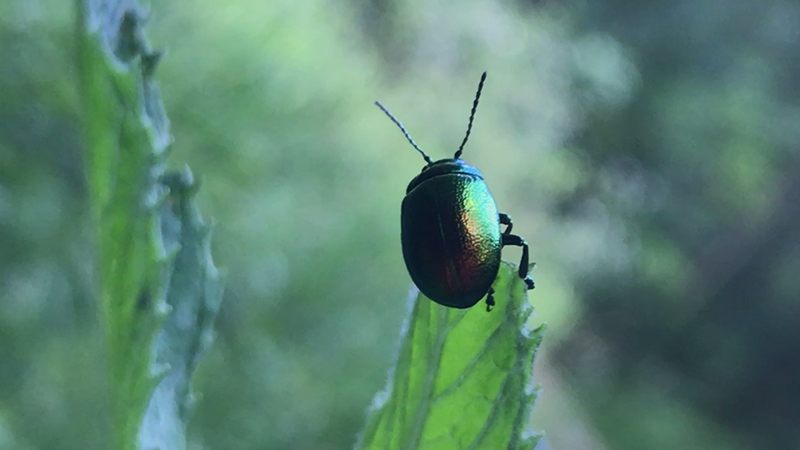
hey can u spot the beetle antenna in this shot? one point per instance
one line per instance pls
(405, 133)
(471, 116)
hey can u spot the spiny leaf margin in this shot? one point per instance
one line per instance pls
(159, 288)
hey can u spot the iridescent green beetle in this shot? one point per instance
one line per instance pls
(451, 229)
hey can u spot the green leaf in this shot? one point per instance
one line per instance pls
(462, 379)
(159, 288)
(194, 294)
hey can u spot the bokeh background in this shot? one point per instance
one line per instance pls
(648, 151)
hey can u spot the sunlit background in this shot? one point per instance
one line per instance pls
(648, 151)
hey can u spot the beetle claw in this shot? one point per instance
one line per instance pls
(529, 282)
(490, 300)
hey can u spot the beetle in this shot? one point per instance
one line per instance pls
(450, 228)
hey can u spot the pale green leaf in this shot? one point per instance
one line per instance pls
(462, 379)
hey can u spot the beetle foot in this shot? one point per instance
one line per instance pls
(490, 300)
(528, 282)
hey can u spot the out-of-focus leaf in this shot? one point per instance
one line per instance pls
(462, 379)
(124, 154)
(159, 288)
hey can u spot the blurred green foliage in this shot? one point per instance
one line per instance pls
(646, 150)
(699, 173)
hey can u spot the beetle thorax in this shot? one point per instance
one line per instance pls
(444, 167)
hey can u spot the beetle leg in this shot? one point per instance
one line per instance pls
(505, 219)
(513, 239)
(490, 299)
